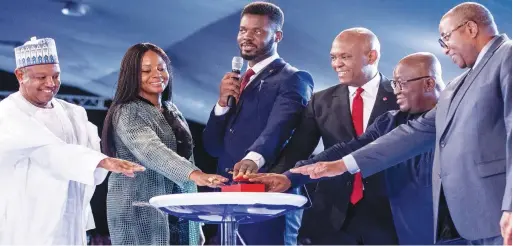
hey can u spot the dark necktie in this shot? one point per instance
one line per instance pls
(357, 115)
(245, 79)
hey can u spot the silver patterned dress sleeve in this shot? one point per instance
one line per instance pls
(142, 135)
(137, 132)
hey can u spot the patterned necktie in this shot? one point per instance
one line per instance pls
(245, 79)
(357, 115)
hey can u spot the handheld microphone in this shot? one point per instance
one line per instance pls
(237, 63)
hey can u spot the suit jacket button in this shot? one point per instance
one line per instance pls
(348, 183)
(231, 130)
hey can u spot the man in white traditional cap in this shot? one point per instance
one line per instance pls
(49, 156)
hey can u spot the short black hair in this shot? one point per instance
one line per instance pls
(270, 10)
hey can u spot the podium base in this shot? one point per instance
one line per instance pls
(229, 230)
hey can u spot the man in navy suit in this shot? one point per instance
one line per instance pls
(337, 114)
(417, 84)
(270, 98)
(470, 129)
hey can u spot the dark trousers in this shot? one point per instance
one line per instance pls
(363, 225)
(269, 232)
(447, 233)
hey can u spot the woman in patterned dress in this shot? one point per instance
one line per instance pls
(139, 127)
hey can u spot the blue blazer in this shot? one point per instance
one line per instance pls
(268, 111)
(408, 183)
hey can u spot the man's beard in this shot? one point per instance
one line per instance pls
(259, 53)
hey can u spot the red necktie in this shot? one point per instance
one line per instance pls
(245, 79)
(357, 115)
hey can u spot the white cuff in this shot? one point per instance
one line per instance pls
(351, 165)
(256, 157)
(218, 110)
(99, 175)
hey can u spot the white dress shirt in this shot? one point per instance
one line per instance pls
(350, 162)
(370, 91)
(484, 50)
(218, 110)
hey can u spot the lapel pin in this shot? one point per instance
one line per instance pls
(385, 98)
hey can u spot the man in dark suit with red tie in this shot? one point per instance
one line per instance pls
(349, 209)
(417, 84)
(470, 129)
(270, 98)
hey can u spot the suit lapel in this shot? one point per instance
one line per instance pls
(271, 69)
(384, 102)
(468, 80)
(340, 104)
(452, 92)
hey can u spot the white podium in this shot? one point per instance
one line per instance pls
(228, 208)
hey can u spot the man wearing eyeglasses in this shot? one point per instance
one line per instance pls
(417, 84)
(470, 129)
(361, 213)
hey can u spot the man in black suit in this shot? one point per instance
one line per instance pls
(360, 213)
(470, 129)
(417, 84)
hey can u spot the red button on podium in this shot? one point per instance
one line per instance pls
(243, 188)
(243, 185)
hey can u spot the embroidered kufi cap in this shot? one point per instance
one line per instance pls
(36, 52)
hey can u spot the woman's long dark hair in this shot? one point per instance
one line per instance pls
(129, 85)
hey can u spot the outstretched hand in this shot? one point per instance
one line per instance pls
(210, 180)
(244, 167)
(322, 169)
(115, 165)
(273, 182)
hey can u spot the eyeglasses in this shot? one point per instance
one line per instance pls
(398, 84)
(445, 37)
